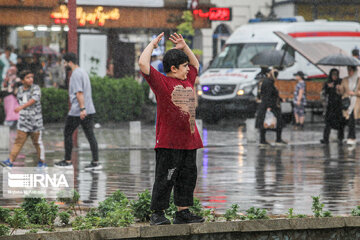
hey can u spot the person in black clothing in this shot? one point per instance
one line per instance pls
(260, 78)
(38, 71)
(21, 64)
(333, 115)
(270, 101)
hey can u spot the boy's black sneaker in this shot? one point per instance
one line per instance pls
(158, 218)
(323, 141)
(93, 166)
(64, 164)
(185, 216)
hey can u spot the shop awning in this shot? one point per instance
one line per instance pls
(314, 51)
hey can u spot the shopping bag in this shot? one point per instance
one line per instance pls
(270, 120)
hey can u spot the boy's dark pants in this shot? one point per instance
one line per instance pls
(71, 124)
(174, 168)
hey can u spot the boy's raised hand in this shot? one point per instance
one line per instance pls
(156, 40)
(178, 40)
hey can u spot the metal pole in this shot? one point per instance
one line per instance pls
(72, 46)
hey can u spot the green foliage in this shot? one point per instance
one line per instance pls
(197, 51)
(256, 213)
(64, 217)
(186, 28)
(115, 201)
(81, 223)
(54, 104)
(29, 205)
(4, 230)
(34, 230)
(93, 212)
(231, 213)
(121, 217)
(115, 211)
(17, 219)
(170, 212)
(44, 214)
(209, 215)
(356, 211)
(317, 208)
(114, 99)
(4, 214)
(141, 207)
(71, 202)
(117, 99)
(292, 215)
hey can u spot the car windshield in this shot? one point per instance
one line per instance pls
(239, 55)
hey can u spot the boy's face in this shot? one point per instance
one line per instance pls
(182, 71)
(28, 80)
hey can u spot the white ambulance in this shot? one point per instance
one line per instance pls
(229, 85)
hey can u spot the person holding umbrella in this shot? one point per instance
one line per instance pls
(269, 102)
(350, 89)
(333, 114)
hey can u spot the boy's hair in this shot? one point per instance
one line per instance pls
(174, 57)
(23, 74)
(70, 57)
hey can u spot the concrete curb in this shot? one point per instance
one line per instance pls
(144, 232)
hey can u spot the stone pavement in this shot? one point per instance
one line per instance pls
(230, 170)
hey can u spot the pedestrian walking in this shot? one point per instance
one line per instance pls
(177, 137)
(333, 113)
(81, 113)
(349, 89)
(30, 122)
(269, 102)
(10, 87)
(299, 100)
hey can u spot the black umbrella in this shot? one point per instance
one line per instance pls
(339, 60)
(273, 58)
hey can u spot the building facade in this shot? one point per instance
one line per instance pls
(211, 40)
(124, 27)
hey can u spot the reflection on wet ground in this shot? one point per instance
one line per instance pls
(230, 170)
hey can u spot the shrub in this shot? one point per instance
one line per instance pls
(4, 214)
(232, 213)
(355, 211)
(18, 219)
(115, 201)
(54, 104)
(45, 213)
(29, 205)
(4, 230)
(114, 99)
(64, 217)
(81, 223)
(117, 99)
(141, 207)
(317, 208)
(71, 202)
(256, 213)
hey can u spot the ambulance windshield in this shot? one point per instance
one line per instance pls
(239, 55)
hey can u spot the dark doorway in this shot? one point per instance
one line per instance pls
(123, 56)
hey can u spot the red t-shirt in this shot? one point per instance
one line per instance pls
(175, 121)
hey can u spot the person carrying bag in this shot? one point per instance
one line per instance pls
(350, 91)
(269, 105)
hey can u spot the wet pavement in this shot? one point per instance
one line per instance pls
(230, 170)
